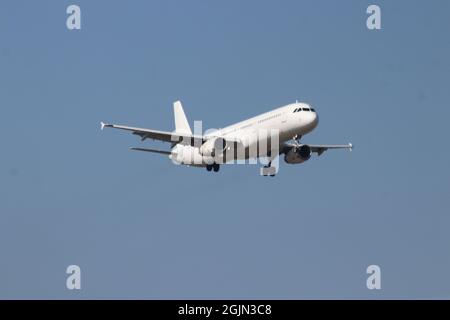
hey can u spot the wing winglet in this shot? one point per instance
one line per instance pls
(105, 125)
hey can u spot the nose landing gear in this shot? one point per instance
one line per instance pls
(297, 138)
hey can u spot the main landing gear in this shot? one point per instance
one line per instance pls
(214, 167)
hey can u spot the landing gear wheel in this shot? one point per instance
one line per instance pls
(208, 167)
(216, 167)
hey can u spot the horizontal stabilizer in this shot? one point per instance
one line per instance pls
(151, 150)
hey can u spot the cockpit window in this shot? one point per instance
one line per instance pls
(306, 109)
(313, 110)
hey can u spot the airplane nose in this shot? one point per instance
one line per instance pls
(314, 119)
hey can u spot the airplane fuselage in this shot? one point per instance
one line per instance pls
(285, 123)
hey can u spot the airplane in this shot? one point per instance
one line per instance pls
(240, 141)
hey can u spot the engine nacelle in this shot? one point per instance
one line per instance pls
(184, 154)
(213, 147)
(298, 155)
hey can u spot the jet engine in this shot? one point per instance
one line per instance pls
(213, 147)
(298, 154)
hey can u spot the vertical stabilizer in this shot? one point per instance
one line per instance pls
(181, 123)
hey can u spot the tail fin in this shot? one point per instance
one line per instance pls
(181, 123)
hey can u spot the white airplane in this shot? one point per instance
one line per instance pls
(240, 141)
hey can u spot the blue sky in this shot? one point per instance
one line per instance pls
(140, 227)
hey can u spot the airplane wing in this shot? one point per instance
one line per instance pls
(318, 148)
(173, 137)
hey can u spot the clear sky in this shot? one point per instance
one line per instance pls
(140, 227)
